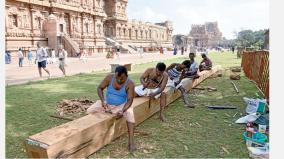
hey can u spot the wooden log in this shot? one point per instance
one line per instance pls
(84, 136)
(235, 87)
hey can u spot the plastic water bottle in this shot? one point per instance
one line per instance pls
(249, 130)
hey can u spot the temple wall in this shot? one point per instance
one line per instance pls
(86, 22)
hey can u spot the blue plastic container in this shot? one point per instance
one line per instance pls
(256, 137)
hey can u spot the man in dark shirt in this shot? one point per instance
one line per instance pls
(205, 64)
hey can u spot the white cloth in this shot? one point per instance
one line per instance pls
(20, 54)
(128, 114)
(41, 54)
(146, 92)
(171, 83)
(247, 118)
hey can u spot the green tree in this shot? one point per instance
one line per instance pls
(245, 38)
(249, 38)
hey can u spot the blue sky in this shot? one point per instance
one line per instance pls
(232, 15)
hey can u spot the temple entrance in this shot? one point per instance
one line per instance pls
(61, 28)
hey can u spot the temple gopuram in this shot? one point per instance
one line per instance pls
(207, 35)
(95, 25)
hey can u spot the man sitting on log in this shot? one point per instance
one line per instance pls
(119, 98)
(192, 69)
(153, 82)
(205, 64)
(175, 75)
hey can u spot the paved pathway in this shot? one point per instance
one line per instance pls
(16, 75)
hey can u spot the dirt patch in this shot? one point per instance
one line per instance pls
(73, 106)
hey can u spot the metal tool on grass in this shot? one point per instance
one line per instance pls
(222, 107)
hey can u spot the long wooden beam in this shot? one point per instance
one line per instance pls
(84, 136)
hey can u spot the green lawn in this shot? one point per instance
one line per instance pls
(198, 132)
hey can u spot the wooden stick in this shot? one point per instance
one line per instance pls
(59, 117)
(235, 87)
(199, 88)
(256, 86)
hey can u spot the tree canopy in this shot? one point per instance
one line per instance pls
(249, 38)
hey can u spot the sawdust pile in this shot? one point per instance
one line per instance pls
(73, 106)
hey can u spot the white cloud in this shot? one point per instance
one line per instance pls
(147, 14)
(231, 15)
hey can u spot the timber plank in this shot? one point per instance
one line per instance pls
(84, 136)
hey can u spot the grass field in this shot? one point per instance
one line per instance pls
(197, 132)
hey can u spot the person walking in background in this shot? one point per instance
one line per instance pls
(48, 56)
(84, 55)
(140, 51)
(62, 54)
(175, 51)
(53, 57)
(117, 52)
(233, 49)
(182, 50)
(21, 57)
(41, 55)
(30, 57)
(161, 50)
(6, 58)
(9, 56)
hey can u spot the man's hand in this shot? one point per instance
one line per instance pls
(119, 114)
(105, 105)
(152, 95)
(145, 85)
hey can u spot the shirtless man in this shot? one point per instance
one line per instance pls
(205, 64)
(153, 82)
